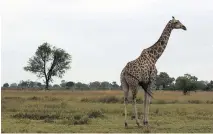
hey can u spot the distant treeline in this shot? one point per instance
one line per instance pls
(164, 82)
(70, 85)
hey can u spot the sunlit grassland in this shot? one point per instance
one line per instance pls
(103, 111)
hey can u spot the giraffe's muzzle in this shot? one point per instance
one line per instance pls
(184, 28)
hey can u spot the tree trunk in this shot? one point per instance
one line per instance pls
(47, 85)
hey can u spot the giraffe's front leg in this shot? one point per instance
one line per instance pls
(147, 98)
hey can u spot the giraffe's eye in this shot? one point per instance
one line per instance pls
(175, 23)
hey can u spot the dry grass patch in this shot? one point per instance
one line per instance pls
(65, 111)
(104, 99)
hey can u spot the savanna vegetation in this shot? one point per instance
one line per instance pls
(103, 111)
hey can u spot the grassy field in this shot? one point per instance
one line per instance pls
(103, 111)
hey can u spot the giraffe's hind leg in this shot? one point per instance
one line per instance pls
(125, 110)
(134, 95)
(125, 88)
(145, 119)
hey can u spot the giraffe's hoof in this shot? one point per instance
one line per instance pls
(145, 123)
(126, 125)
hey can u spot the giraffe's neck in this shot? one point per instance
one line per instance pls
(156, 50)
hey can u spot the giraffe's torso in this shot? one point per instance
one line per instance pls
(140, 68)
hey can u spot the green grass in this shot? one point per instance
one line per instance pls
(103, 111)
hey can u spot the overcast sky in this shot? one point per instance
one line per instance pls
(103, 35)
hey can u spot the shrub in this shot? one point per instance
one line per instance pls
(85, 100)
(106, 99)
(95, 114)
(49, 98)
(209, 102)
(109, 99)
(34, 98)
(36, 116)
(77, 119)
(13, 98)
(194, 101)
(80, 121)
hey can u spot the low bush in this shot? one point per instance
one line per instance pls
(105, 99)
(36, 116)
(95, 114)
(195, 101)
(78, 119)
(209, 102)
(109, 99)
(34, 98)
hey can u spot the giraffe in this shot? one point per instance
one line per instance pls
(142, 72)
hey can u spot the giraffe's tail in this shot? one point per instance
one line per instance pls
(145, 89)
(142, 85)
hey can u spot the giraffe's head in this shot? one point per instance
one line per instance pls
(176, 24)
